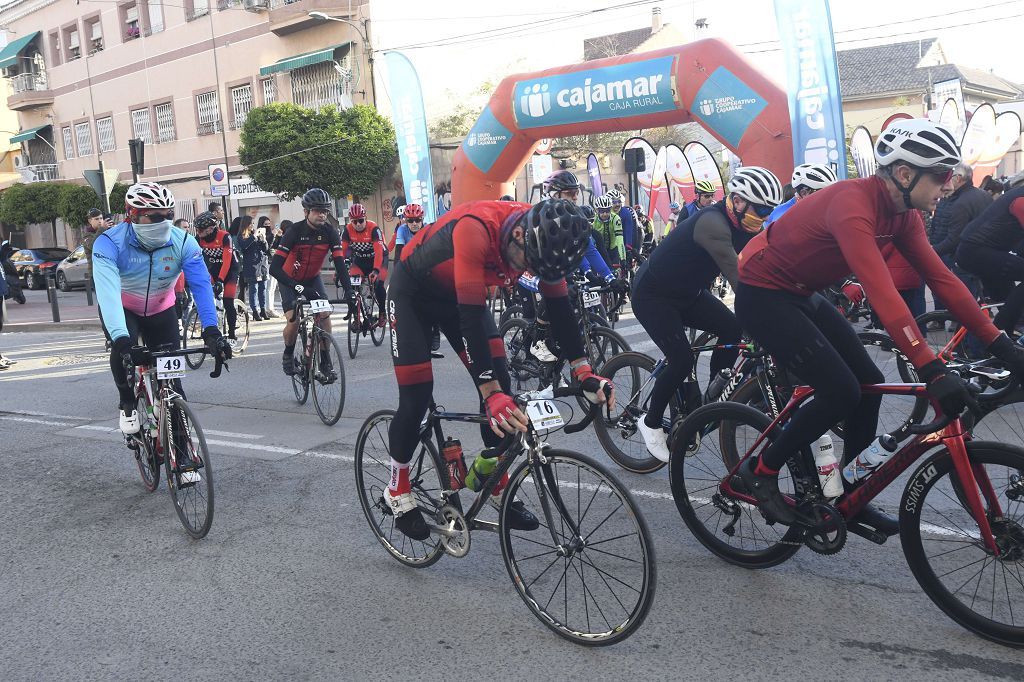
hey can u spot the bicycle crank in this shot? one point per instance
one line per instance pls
(453, 530)
(827, 534)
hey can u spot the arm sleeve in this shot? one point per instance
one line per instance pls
(227, 259)
(198, 280)
(594, 260)
(617, 243)
(564, 327)
(1017, 210)
(338, 258)
(284, 247)
(471, 243)
(107, 281)
(714, 235)
(378, 249)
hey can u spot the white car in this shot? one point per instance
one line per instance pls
(72, 271)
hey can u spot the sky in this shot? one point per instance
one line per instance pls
(984, 36)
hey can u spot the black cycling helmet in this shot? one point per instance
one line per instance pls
(507, 197)
(588, 213)
(563, 180)
(204, 220)
(316, 198)
(556, 238)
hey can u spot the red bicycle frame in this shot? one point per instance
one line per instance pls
(972, 477)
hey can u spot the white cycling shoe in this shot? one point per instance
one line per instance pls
(128, 421)
(656, 440)
(540, 351)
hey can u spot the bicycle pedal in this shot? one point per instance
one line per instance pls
(867, 532)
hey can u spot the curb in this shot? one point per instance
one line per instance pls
(72, 326)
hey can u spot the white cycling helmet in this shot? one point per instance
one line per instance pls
(400, 211)
(603, 201)
(148, 195)
(757, 185)
(917, 142)
(614, 195)
(813, 175)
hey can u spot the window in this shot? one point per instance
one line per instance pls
(105, 131)
(142, 128)
(164, 122)
(209, 113)
(55, 47)
(241, 104)
(95, 32)
(156, 16)
(83, 134)
(269, 90)
(74, 46)
(69, 149)
(196, 9)
(131, 22)
(319, 85)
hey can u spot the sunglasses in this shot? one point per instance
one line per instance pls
(414, 220)
(158, 216)
(705, 196)
(359, 220)
(941, 176)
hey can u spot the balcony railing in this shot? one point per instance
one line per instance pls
(209, 128)
(274, 4)
(28, 82)
(40, 172)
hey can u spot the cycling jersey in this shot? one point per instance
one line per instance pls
(1001, 225)
(780, 210)
(301, 253)
(366, 247)
(127, 277)
(219, 256)
(592, 261)
(629, 229)
(610, 233)
(839, 230)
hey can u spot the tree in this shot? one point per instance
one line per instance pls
(288, 149)
(74, 201)
(36, 202)
(117, 194)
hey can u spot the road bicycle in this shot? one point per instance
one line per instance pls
(192, 329)
(170, 435)
(960, 515)
(949, 339)
(365, 315)
(588, 573)
(322, 373)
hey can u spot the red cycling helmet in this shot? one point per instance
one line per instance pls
(356, 211)
(413, 211)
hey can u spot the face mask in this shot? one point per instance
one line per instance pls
(152, 237)
(749, 221)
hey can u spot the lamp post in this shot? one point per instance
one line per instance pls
(366, 46)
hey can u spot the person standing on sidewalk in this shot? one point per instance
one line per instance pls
(272, 282)
(95, 224)
(951, 217)
(253, 253)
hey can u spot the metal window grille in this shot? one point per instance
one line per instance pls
(269, 91)
(241, 103)
(142, 127)
(209, 112)
(83, 134)
(69, 148)
(105, 131)
(164, 122)
(318, 85)
(156, 16)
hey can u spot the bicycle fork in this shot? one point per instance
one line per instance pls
(547, 492)
(974, 482)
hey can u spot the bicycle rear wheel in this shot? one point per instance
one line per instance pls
(192, 337)
(376, 331)
(191, 485)
(592, 587)
(942, 543)
(619, 436)
(328, 378)
(300, 379)
(524, 369)
(604, 344)
(373, 472)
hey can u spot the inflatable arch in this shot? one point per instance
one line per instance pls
(706, 82)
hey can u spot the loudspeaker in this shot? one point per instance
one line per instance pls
(137, 151)
(636, 160)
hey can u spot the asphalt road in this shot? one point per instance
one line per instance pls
(98, 580)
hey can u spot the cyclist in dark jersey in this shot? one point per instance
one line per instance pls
(984, 250)
(442, 279)
(296, 265)
(671, 290)
(221, 262)
(834, 232)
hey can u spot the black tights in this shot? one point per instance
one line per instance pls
(999, 272)
(158, 331)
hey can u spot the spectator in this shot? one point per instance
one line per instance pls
(9, 288)
(217, 209)
(96, 223)
(241, 225)
(272, 287)
(254, 255)
(263, 225)
(951, 217)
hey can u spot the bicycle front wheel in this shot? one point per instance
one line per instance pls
(146, 456)
(619, 436)
(241, 327)
(377, 331)
(588, 573)
(300, 379)
(188, 471)
(355, 329)
(328, 377)
(192, 337)
(942, 542)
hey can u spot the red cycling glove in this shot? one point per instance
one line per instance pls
(500, 407)
(589, 382)
(854, 292)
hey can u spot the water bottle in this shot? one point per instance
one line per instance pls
(482, 468)
(828, 468)
(874, 456)
(455, 462)
(717, 385)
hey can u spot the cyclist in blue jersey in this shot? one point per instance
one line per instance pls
(705, 197)
(631, 237)
(134, 266)
(807, 179)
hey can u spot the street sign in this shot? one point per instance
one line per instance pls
(219, 185)
(541, 165)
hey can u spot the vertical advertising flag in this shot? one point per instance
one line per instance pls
(815, 104)
(411, 131)
(659, 200)
(594, 171)
(704, 167)
(680, 176)
(1008, 129)
(946, 90)
(980, 134)
(862, 149)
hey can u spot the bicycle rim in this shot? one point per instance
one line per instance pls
(241, 328)
(300, 379)
(328, 394)
(373, 472)
(620, 437)
(376, 331)
(897, 411)
(186, 448)
(354, 330)
(601, 591)
(192, 337)
(145, 455)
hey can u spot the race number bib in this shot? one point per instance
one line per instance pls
(357, 280)
(170, 367)
(591, 299)
(544, 415)
(319, 305)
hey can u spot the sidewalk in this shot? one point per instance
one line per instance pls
(35, 315)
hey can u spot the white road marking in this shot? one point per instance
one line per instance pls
(232, 434)
(31, 420)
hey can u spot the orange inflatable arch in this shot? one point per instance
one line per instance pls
(707, 82)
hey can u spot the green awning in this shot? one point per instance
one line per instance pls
(308, 59)
(27, 134)
(9, 55)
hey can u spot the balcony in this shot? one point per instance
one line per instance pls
(29, 90)
(289, 16)
(41, 172)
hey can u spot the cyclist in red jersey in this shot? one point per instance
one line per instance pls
(442, 279)
(221, 262)
(296, 265)
(363, 243)
(834, 232)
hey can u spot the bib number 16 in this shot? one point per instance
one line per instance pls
(544, 415)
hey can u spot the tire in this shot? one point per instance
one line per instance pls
(605, 344)
(897, 411)
(241, 325)
(373, 470)
(30, 282)
(936, 522)
(328, 397)
(355, 324)
(510, 312)
(939, 340)
(695, 478)
(193, 503)
(192, 337)
(145, 456)
(522, 367)
(604, 513)
(376, 331)
(300, 380)
(620, 438)
(62, 282)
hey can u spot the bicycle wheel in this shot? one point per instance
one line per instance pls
(522, 366)
(897, 411)
(604, 344)
(146, 457)
(192, 337)
(942, 332)
(192, 486)
(355, 329)
(730, 529)
(941, 540)
(373, 472)
(594, 585)
(510, 312)
(241, 327)
(328, 378)
(619, 436)
(300, 380)
(376, 331)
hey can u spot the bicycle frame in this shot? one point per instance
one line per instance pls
(946, 353)
(953, 436)
(158, 394)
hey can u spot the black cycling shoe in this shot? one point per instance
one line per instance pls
(519, 517)
(766, 490)
(412, 525)
(876, 518)
(327, 373)
(288, 363)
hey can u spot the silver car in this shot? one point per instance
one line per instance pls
(72, 271)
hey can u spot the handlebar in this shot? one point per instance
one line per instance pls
(151, 355)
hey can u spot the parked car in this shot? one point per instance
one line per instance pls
(32, 265)
(72, 271)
